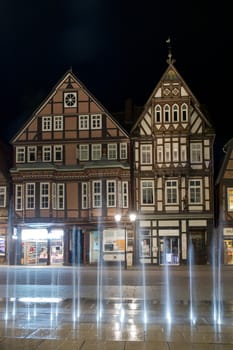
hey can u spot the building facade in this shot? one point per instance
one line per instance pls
(78, 176)
(224, 198)
(5, 201)
(173, 175)
(71, 176)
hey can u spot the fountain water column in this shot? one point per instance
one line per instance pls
(217, 278)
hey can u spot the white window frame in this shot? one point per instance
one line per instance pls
(195, 191)
(83, 122)
(57, 150)
(184, 112)
(30, 195)
(20, 154)
(96, 151)
(44, 195)
(32, 154)
(84, 152)
(2, 196)
(146, 153)
(147, 192)
(123, 150)
(112, 151)
(97, 194)
(183, 153)
(46, 123)
(167, 147)
(175, 151)
(166, 113)
(47, 153)
(175, 113)
(96, 121)
(18, 197)
(84, 195)
(196, 152)
(158, 113)
(60, 191)
(58, 122)
(111, 193)
(171, 192)
(160, 154)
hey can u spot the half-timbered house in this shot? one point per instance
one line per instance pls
(71, 176)
(224, 206)
(5, 201)
(173, 175)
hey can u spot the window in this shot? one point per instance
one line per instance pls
(84, 195)
(97, 194)
(145, 243)
(230, 198)
(84, 152)
(70, 99)
(175, 151)
(96, 152)
(20, 154)
(96, 122)
(123, 150)
(58, 122)
(171, 192)
(160, 154)
(166, 114)
(31, 153)
(158, 114)
(195, 191)
(183, 153)
(112, 151)
(19, 197)
(84, 122)
(44, 196)
(60, 196)
(175, 113)
(111, 193)
(167, 152)
(30, 196)
(147, 192)
(184, 112)
(47, 154)
(57, 153)
(125, 193)
(146, 154)
(196, 152)
(47, 123)
(2, 196)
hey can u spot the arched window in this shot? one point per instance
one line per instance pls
(166, 114)
(158, 114)
(175, 113)
(184, 112)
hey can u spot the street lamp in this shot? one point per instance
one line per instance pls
(132, 218)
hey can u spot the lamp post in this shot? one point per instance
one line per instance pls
(132, 218)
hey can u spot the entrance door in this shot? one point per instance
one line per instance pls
(198, 247)
(169, 251)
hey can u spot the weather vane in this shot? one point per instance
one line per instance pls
(168, 41)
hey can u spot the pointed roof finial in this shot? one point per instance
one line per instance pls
(169, 60)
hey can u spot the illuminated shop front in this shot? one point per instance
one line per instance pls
(228, 246)
(41, 246)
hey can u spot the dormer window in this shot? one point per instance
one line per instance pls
(70, 99)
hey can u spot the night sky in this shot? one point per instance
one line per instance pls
(118, 50)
